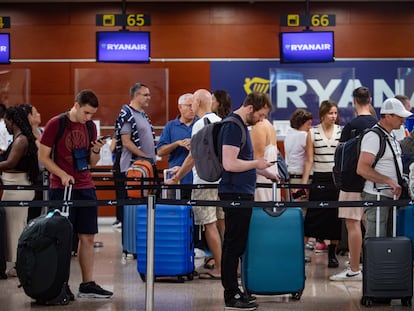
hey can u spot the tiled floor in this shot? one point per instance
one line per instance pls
(205, 295)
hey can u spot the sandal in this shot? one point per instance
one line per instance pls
(208, 276)
(206, 263)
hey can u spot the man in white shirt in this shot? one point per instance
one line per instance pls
(384, 174)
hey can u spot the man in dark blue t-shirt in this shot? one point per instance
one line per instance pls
(238, 182)
(353, 215)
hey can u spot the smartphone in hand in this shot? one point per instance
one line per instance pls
(104, 137)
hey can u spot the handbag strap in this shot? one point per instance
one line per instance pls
(397, 167)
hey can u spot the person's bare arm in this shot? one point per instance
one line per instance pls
(309, 159)
(232, 164)
(18, 149)
(185, 168)
(44, 153)
(365, 169)
(168, 148)
(129, 144)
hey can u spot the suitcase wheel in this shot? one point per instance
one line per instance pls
(366, 301)
(190, 276)
(143, 277)
(406, 301)
(296, 296)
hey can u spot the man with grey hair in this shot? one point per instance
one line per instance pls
(134, 136)
(175, 138)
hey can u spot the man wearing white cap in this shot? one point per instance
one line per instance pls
(384, 174)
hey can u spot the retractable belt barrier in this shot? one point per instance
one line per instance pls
(222, 203)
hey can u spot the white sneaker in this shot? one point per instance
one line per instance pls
(348, 264)
(347, 275)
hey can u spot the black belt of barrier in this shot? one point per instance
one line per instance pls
(230, 204)
(221, 203)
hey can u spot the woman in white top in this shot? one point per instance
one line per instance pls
(263, 136)
(323, 223)
(295, 145)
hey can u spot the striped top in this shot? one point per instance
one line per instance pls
(324, 148)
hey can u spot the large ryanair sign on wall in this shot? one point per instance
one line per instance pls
(306, 85)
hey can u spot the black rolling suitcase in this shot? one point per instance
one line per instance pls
(43, 257)
(387, 267)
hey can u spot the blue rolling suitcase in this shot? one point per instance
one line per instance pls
(273, 262)
(174, 248)
(129, 226)
(405, 223)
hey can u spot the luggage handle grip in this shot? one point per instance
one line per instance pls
(274, 211)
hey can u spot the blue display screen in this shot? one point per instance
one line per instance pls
(4, 48)
(307, 47)
(123, 46)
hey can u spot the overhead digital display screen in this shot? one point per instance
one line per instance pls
(123, 46)
(4, 48)
(307, 47)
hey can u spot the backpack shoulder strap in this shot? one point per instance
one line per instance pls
(206, 121)
(62, 126)
(383, 138)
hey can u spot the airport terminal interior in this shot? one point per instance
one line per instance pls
(121, 277)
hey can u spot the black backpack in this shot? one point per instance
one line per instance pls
(43, 258)
(346, 160)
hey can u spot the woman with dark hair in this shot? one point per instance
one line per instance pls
(34, 118)
(221, 104)
(19, 167)
(321, 142)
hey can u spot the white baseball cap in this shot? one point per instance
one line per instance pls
(394, 106)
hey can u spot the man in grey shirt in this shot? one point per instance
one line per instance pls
(134, 136)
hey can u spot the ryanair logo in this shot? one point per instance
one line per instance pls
(256, 84)
(124, 47)
(309, 47)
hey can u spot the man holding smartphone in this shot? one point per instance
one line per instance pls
(74, 153)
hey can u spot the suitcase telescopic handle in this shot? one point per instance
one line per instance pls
(274, 211)
(377, 214)
(67, 193)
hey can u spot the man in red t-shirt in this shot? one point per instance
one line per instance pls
(73, 154)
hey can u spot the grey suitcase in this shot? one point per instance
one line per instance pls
(387, 267)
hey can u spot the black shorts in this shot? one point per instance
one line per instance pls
(83, 219)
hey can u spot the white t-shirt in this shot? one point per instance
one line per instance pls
(385, 165)
(295, 150)
(5, 137)
(213, 118)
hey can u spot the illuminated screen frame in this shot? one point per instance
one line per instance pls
(4, 48)
(307, 47)
(123, 46)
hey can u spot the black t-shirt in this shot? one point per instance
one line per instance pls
(357, 126)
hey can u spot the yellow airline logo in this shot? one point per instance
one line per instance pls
(256, 84)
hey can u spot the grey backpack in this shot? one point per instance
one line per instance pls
(204, 148)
